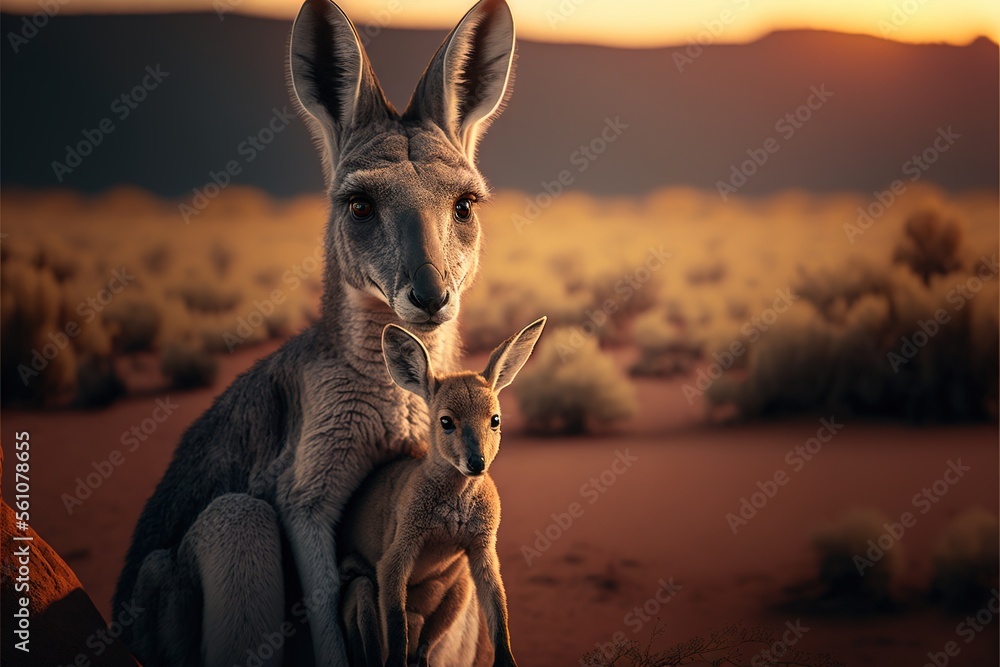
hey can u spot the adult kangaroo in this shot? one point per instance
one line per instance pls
(278, 455)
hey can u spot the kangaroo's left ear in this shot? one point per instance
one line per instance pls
(510, 355)
(408, 362)
(468, 80)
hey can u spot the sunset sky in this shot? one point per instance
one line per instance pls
(631, 23)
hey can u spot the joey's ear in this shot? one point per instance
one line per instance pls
(510, 355)
(467, 81)
(331, 76)
(408, 362)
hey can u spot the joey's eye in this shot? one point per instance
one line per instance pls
(463, 209)
(495, 422)
(447, 424)
(361, 208)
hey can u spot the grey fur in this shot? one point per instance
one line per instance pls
(298, 432)
(414, 521)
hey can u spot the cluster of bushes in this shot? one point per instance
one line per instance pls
(88, 285)
(915, 336)
(862, 564)
(571, 386)
(894, 321)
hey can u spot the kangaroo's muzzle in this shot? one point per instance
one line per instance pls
(427, 289)
(477, 464)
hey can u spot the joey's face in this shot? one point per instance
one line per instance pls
(466, 427)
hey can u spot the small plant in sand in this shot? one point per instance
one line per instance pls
(734, 645)
(930, 244)
(573, 385)
(966, 561)
(855, 565)
(188, 367)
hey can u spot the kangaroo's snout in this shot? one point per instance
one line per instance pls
(428, 291)
(477, 464)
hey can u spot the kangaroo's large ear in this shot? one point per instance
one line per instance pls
(510, 355)
(331, 76)
(468, 79)
(408, 362)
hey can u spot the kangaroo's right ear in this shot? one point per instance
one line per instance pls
(408, 362)
(331, 76)
(511, 355)
(467, 82)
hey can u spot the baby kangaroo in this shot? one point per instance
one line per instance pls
(414, 519)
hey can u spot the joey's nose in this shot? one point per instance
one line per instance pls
(428, 292)
(477, 464)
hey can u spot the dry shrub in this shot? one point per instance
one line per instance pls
(930, 244)
(203, 296)
(188, 367)
(848, 345)
(98, 384)
(966, 561)
(666, 347)
(571, 384)
(841, 545)
(136, 323)
(32, 325)
(734, 644)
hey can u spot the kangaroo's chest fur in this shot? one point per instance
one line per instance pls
(353, 418)
(398, 503)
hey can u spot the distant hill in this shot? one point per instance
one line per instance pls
(684, 128)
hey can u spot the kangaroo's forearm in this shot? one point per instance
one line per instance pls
(392, 607)
(314, 551)
(492, 597)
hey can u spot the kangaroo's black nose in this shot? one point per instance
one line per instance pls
(428, 292)
(477, 464)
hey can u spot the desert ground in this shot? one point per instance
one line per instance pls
(704, 343)
(661, 520)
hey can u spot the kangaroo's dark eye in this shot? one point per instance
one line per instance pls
(463, 209)
(447, 424)
(361, 208)
(495, 421)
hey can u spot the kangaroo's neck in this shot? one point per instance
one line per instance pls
(446, 478)
(352, 321)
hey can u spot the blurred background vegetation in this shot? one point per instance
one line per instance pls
(246, 271)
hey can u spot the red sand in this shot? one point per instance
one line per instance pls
(662, 518)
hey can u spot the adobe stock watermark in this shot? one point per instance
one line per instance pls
(131, 439)
(901, 14)
(636, 619)
(592, 490)
(121, 108)
(779, 647)
(786, 126)
(683, 57)
(752, 330)
(292, 279)
(272, 643)
(30, 25)
(924, 501)
(563, 11)
(368, 31)
(957, 297)
(625, 288)
(968, 629)
(88, 309)
(582, 158)
(915, 167)
(247, 150)
(796, 458)
(103, 639)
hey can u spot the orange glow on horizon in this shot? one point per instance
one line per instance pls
(628, 23)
